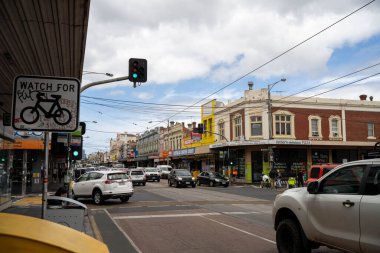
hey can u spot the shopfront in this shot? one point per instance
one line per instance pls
(6, 162)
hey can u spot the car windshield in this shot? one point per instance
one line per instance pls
(151, 170)
(116, 176)
(137, 172)
(183, 173)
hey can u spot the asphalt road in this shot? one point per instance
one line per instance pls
(159, 218)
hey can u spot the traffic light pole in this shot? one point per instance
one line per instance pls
(45, 178)
(86, 86)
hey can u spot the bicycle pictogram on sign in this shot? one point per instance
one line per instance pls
(60, 115)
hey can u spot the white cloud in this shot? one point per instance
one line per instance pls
(184, 40)
(116, 92)
(143, 95)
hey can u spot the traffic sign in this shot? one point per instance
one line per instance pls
(42, 103)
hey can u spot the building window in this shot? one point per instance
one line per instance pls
(256, 126)
(371, 130)
(283, 125)
(315, 130)
(205, 128)
(221, 129)
(237, 126)
(335, 127)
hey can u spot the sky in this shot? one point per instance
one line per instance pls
(200, 50)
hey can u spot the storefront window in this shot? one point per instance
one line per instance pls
(320, 156)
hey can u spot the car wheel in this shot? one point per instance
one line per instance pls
(199, 183)
(176, 184)
(193, 185)
(158, 180)
(226, 185)
(124, 199)
(289, 238)
(170, 183)
(212, 183)
(97, 197)
(143, 184)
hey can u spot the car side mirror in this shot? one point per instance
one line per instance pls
(312, 187)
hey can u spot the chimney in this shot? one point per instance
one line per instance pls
(171, 123)
(371, 98)
(363, 97)
(250, 85)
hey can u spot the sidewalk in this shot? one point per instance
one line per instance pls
(97, 224)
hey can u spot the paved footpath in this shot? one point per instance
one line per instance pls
(97, 224)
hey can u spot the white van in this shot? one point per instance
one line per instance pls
(165, 170)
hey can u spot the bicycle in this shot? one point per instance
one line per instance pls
(30, 114)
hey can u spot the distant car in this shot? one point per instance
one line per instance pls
(212, 179)
(340, 210)
(317, 171)
(165, 170)
(103, 185)
(152, 174)
(137, 176)
(181, 177)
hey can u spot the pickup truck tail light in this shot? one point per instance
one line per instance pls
(108, 181)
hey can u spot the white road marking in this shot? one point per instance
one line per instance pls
(122, 231)
(148, 216)
(164, 216)
(240, 230)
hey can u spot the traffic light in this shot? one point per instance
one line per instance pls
(138, 70)
(2, 159)
(76, 148)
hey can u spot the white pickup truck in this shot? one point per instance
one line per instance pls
(341, 210)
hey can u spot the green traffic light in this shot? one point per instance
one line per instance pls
(2, 159)
(135, 75)
(75, 153)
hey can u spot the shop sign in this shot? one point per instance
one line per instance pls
(261, 142)
(187, 151)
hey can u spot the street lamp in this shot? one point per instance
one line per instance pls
(270, 86)
(85, 72)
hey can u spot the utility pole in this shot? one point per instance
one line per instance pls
(270, 122)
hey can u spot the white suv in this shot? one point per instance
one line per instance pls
(165, 170)
(102, 185)
(341, 210)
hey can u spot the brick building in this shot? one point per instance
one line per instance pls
(305, 131)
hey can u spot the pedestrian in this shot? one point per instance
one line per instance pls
(272, 176)
(279, 179)
(299, 179)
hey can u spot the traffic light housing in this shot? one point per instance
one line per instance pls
(138, 70)
(76, 149)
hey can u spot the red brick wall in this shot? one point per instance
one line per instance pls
(356, 124)
(301, 121)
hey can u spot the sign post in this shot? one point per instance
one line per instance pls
(45, 104)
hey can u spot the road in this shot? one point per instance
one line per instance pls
(159, 218)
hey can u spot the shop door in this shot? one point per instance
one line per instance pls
(257, 165)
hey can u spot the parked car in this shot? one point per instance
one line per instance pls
(103, 185)
(165, 170)
(181, 177)
(137, 176)
(152, 174)
(212, 179)
(340, 210)
(317, 171)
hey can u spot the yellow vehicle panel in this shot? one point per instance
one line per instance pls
(19, 233)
